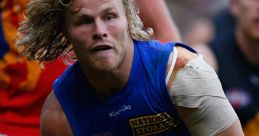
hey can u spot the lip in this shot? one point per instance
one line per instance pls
(101, 47)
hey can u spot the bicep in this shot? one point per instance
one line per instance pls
(53, 120)
(234, 130)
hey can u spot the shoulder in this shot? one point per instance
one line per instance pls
(155, 44)
(53, 120)
(67, 76)
(192, 76)
(190, 68)
(154, 52)
(182, 56)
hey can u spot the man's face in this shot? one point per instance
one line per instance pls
(247, 13)
(98, 30)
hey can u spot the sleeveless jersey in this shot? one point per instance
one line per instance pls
(143, 107)
(240, 79)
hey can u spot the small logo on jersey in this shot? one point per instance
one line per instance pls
(152, 124)
(238, 97)
(118, 112)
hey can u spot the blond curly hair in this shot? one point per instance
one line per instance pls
(42, 35)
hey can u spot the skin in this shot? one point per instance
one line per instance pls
(102, 43)
(161, 21)
(98, 31)
(53, 120)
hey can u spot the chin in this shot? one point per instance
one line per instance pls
(106, 67)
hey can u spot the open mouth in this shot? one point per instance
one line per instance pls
(101, 48)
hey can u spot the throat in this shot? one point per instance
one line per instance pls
(107, 88)
(106, 84)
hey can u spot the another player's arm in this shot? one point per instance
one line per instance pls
(53, 120)
(197, 93)
(155, 14)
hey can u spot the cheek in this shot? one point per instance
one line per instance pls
(120, 30)
(71, 34)
(78, 43)
(78, 35)
(75, 33)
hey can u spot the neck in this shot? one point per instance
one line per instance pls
(249, 47)
(105, 83)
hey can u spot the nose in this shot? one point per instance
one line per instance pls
(100, 30)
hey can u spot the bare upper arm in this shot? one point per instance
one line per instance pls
(53, 120)
(234, 130)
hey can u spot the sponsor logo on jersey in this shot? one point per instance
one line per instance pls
(152, 124)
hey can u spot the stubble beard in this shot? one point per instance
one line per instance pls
(110, 66)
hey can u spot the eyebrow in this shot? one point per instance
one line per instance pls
(77, 15)
(109, 9)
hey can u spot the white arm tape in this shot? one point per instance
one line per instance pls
(197, 86)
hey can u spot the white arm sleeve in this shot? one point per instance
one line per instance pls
(197, 86)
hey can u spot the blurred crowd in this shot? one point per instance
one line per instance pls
(191, 15)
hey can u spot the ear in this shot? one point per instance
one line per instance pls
(234, 7)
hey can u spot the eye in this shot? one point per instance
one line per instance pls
(86, 21)
(109, 17)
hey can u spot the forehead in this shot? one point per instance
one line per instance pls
(95, 5)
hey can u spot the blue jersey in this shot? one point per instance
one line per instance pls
(143, 107)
